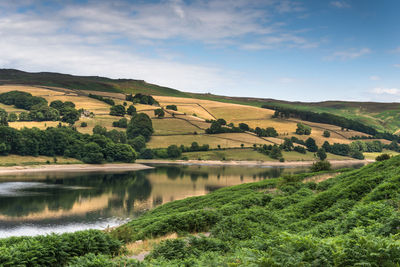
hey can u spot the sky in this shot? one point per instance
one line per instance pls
(311, 50)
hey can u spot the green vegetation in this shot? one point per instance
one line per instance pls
(56, 250)
(104, 99)
(172, 107)
(303, 129)
(348, 220)
(159, 113)
(117, 110)
(141, 99)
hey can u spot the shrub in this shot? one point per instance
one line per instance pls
(172, 107)
(83, 124)
(321, 166)
(118, 110)
(382, 157)
(326, 134)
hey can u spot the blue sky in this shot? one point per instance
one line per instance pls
(294, 50)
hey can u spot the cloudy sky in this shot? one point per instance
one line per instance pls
(295, 50)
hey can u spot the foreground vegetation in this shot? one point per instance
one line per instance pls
(350, 219)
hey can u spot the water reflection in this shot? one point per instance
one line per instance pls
(37, 204)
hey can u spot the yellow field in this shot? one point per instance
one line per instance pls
(10, 109)
(102, 120)
(173, 126)
(30, 124)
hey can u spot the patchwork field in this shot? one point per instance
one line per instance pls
(187, 125)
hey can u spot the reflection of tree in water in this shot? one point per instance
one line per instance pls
(130, 187)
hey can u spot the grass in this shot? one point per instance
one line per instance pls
(14, 160)
(224, 140)
(173, 126)
(250, 154)
(30, 124)
(373, 155)
(103, 120)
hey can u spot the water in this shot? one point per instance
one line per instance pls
(56, 202)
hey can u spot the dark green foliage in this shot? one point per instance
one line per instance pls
(138, 143)
(172, 107)
(22, 100)
(83, 124)
(173, 151)
(218, 127)
(195, 147)
(104, 99)
(321, 154)
(244, 127)
(71, 115)
(11, 117)
(303, 129)
(321, 118)
(300, 149)
(122, 123)
(382, 157)
(267, 132)
(159, 113)
(287, 145)
(322, 165)
(55, 250)
(326, 134)
(140, 124)
(64, 141)
(131, 110)
(3, 117)
(144, 99)
(117, 110)
(311, 145)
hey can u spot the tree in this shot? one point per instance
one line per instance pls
(303, 129)
(321, 166)
(131, 110)
(275, 152)
(326, 134)
(92, 153)
(12, 117)
(221, 121)
(71, 115)
(194, 147)
(287, 145)
(172, 107)
(326, 146)
(321, 154)
(122, 123)
(311, 145)
(382, 157)
(138, 143)
(117, 110)
(98, 129)
(83, 124)
(159, 113)
(3, 117)
(173, 151)
(244, 126)
(140, 124)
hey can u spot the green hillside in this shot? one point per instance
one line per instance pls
(352, 219)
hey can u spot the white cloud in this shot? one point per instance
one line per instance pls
(389, 91)
(340, 4)
(374, 78)
(350, 54)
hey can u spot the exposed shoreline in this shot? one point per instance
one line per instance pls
(74, 168)
(251, 163)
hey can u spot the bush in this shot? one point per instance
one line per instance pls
(321, 166)
(173, 151)
(382, 157)
(303, 129)
(326, 134)
(122, 123)
(83, 124)
(172, 107)
(118, 110)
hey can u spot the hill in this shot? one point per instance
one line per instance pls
(382, 116)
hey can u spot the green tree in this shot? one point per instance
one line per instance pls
(303, 129)
(138, 143)
(3, 117)
(159, 113)
(71, 115)
(92, 153)
(140, 124)
(326, 134)
(131, 110)
(173, 151)
(117, 110)
(12, 117)
(311, 145)
(321, 154)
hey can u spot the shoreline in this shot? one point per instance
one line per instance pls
(117, 167)
(250, 163)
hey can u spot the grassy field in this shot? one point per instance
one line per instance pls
(173, 126)
(13, 160)
(30, 124)
(250, 154)
(373, 155)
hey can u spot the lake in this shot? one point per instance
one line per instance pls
(32, 204)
